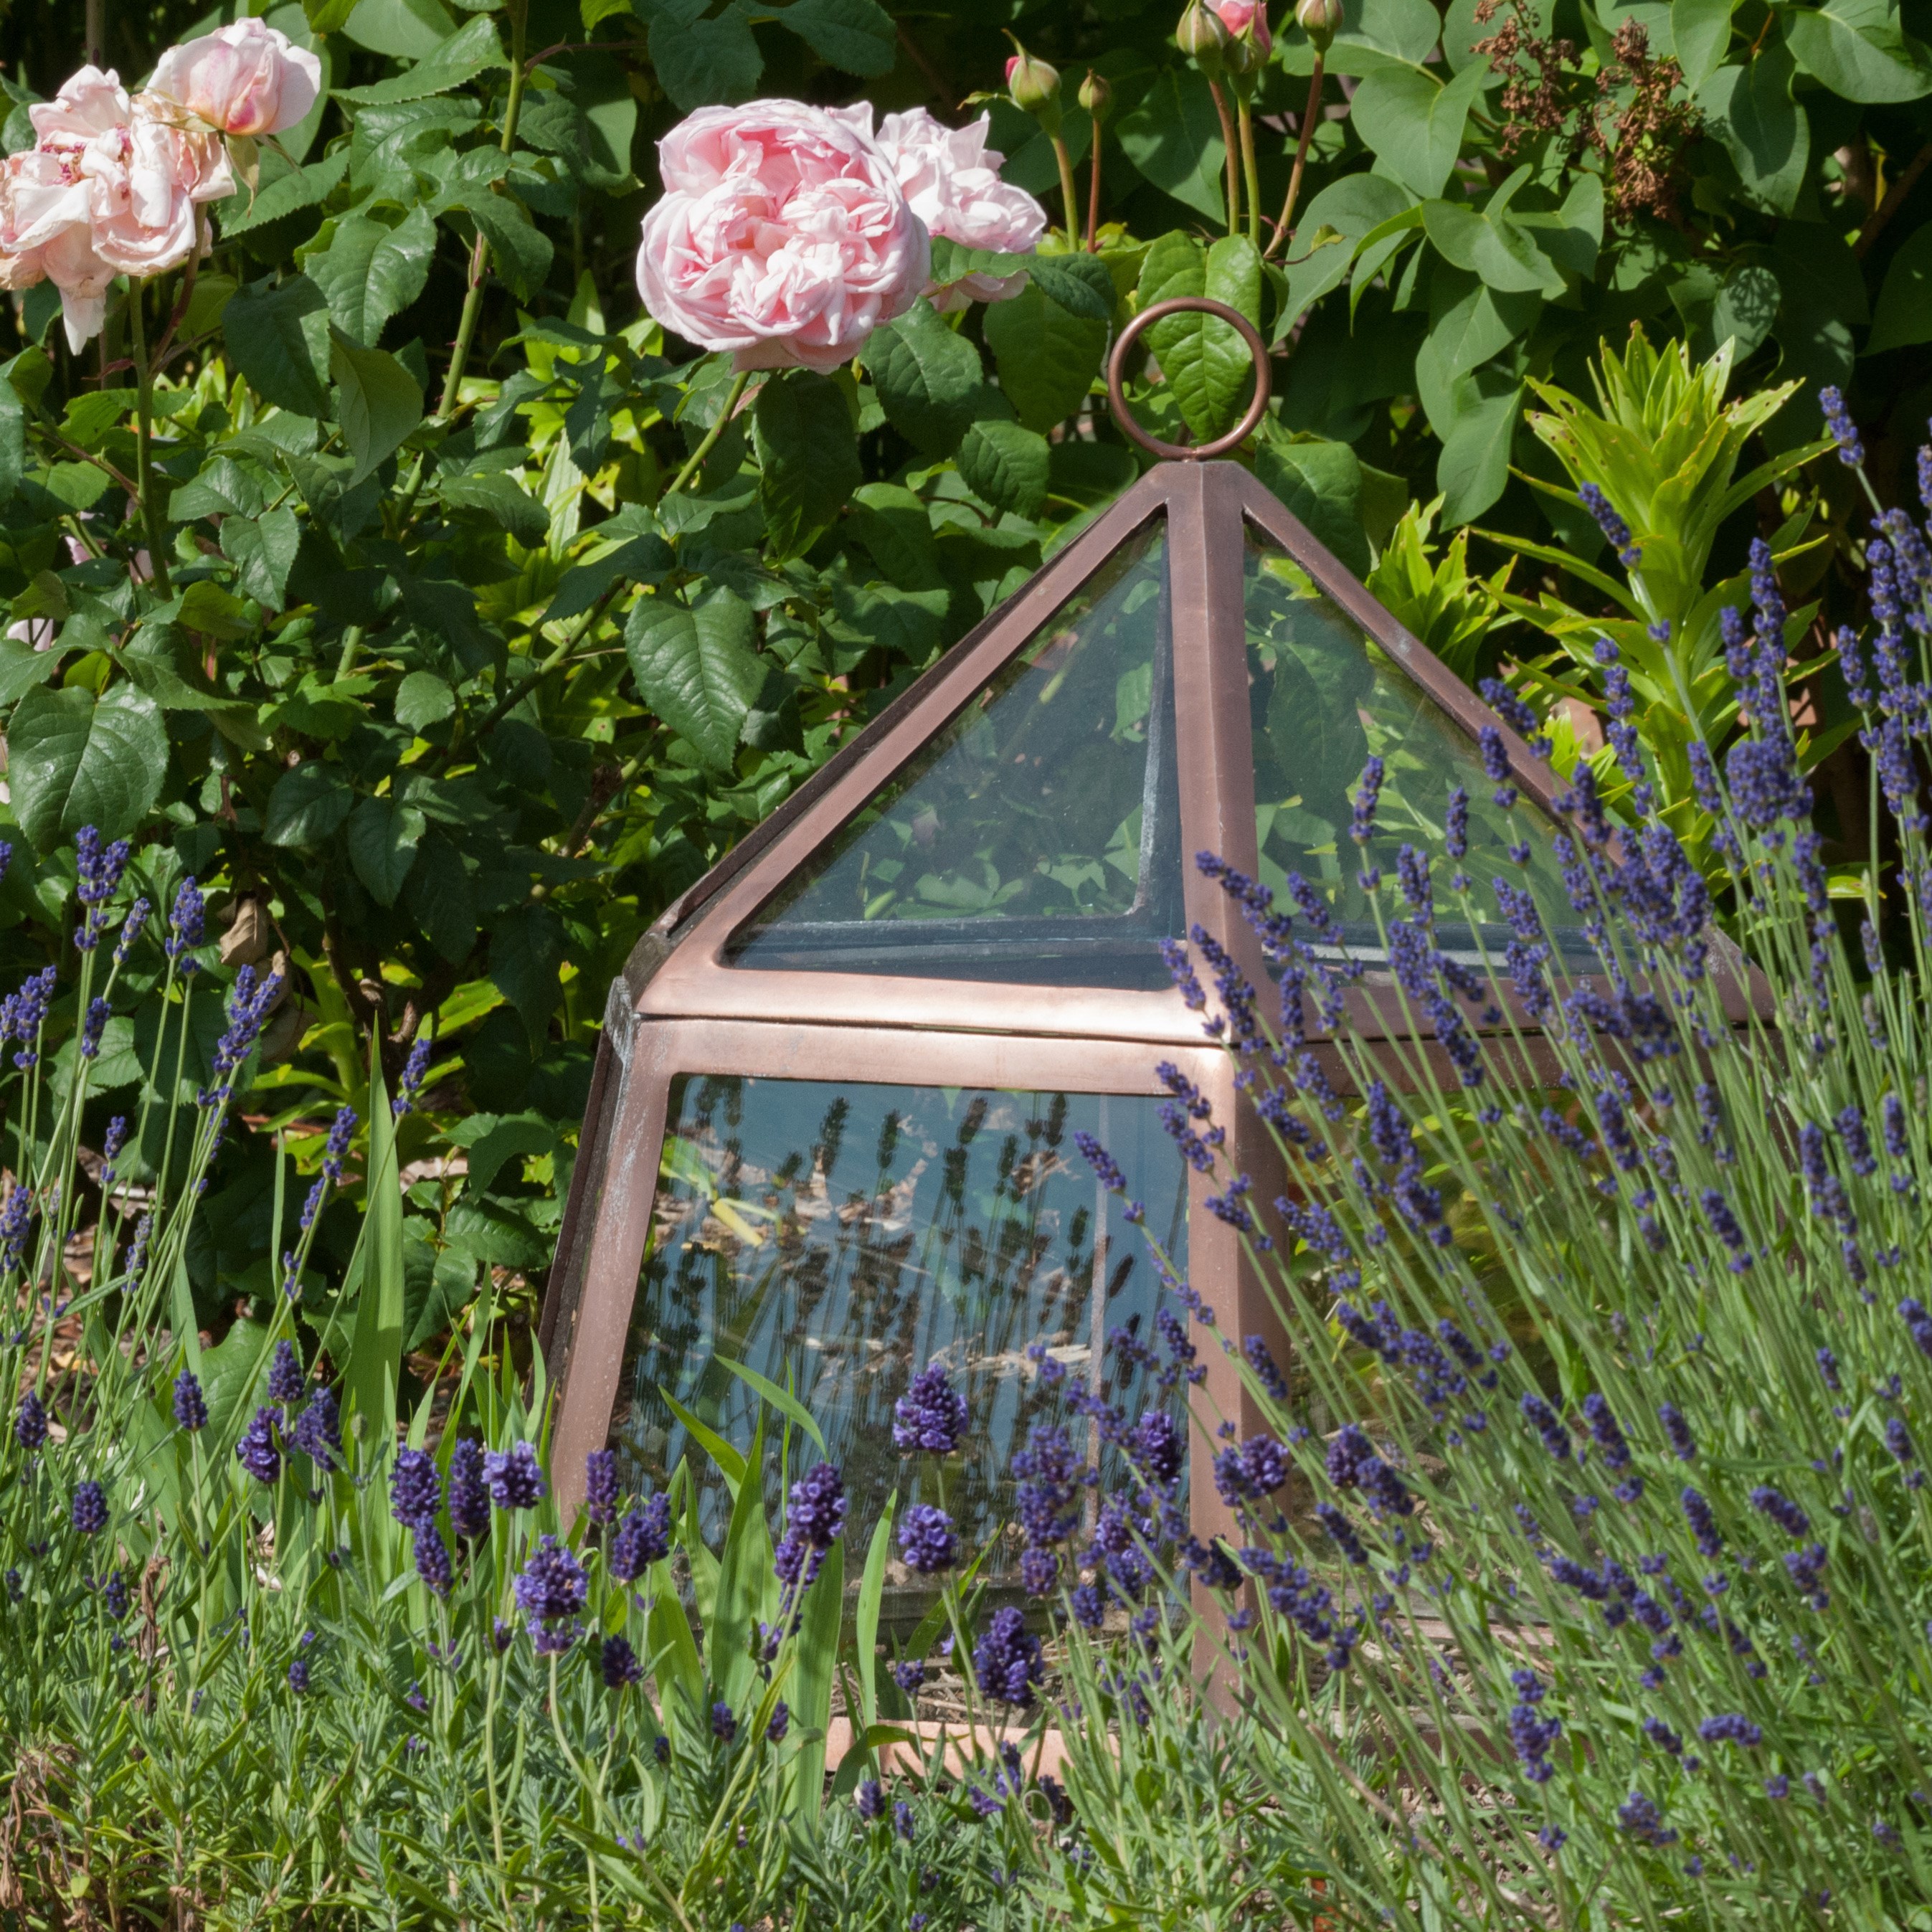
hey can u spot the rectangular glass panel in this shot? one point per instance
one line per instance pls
(1324, 698)
(836, 1236)
(1037, 838)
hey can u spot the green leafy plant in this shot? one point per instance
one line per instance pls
(1658, 458)
(1452, 610)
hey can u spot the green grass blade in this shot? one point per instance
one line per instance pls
(872, 1593)
(817, 1662)
(375, 1352)
(731, 1462)
(786, 1405)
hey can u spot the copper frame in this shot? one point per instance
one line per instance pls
(680, 1009)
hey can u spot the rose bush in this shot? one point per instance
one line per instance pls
(350, 534)
(330, 524)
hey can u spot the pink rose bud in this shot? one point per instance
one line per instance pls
(1245, 20)
(249, 78)
(783, 235)
(952, 179)
(1035, 86)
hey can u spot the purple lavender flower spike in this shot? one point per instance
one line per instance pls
(930, 1416)
(515, 1480)
(469, 1493)
(927, 1540)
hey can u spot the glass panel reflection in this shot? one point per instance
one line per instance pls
(1324, 698)
(1037, 838)
(836, 1236)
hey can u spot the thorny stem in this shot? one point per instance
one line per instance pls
(610, 782)
(941, 92)
(466, 330)
(1309, 115)
(473, 302)
(1230, 143)
(695, 461)
(144, 409)
(165, 347)
(1894, 197)
(111, 470)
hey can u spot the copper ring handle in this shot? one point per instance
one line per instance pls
(1183, 452)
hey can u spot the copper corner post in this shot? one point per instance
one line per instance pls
(680, 1009)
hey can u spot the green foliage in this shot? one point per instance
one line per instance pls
(445, 692)
(1455, 614)
(440, 688)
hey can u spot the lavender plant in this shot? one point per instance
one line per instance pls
(1612, 1404)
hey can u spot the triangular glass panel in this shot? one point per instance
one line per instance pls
(1324, 698)
(1037, 838)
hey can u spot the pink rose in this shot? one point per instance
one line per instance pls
(89, 103)
(25, 180)
(46, 197)
(782, 235)
(1239, 16)
(952, 179)
(106, 190)
(143, 220)
(248, 78)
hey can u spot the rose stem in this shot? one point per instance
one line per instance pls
(1309, 115)
(1231, 147)
(144, 393)
(1069, 192)
(695, 461)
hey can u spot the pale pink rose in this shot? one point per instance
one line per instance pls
(23, 266)
(143, 219)
(1238, 16)
(83, 279)
(89, 103)
(46, 196)
(782, 235)
(951, 179)
(248, 78)
(106, 190)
